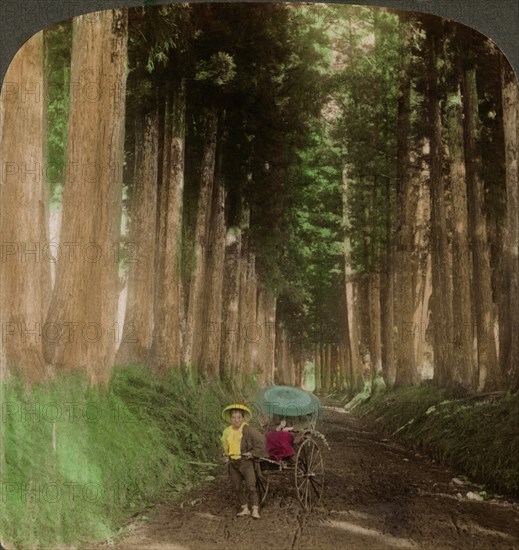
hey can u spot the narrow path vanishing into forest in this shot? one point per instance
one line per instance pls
(378, 495)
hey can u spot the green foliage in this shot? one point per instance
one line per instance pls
(156, 35)
(478, 437)
(262, 68)
(311, 303)
(77, 460)
(220, 69)
(57, 44)
(359, 49)
(365, 93)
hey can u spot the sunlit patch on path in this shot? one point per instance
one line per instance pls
(388, 540)
(340, 410)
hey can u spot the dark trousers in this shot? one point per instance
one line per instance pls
(241, 472)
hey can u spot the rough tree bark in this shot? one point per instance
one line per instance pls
(280, 374)
(284, 373)
(327, 367)
(341, 368)
(212, 311)
(264, 340)
(509, 329)
(322, 355)
(289, 362)
(317, 361)
(334, 364)
(196, 288)
(247, 307)
(24, 267)
(231, 301)
(351, 318)
(268, 335)
(363, 310)
(422, 273)
(489, 373)
(375, 341)
(442, 287)
(387, 302)
(464, 373)
(166, 341)
(406, 374)
(138, 325)
(84, 302)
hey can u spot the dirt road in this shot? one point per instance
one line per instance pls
(378, 496)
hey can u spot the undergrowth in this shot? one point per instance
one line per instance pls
(77, 461)
(477, 436)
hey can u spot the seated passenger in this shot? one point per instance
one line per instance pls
(279, 442)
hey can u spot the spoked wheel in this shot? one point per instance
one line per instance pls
(309, 474)
(262, 485)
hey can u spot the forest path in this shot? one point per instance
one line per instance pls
(378, 495)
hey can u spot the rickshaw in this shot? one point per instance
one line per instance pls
(279, 405)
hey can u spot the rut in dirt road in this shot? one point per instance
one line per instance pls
(378, 495)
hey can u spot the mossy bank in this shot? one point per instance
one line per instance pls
(78, 461)
(476, 436)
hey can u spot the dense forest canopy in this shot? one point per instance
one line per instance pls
(276, 184)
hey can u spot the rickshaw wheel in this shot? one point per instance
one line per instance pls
(309, 474)
(262, 485)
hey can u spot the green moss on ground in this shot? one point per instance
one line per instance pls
(77, 461)
(477, 436)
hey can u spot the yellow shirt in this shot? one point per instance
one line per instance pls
(231, 441)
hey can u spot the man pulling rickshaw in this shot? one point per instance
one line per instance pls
(242, 442)
(290, 449)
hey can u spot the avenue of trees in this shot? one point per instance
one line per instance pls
(265, 185)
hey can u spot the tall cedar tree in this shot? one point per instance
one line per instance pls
(83, 308)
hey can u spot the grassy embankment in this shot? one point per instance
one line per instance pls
(77, 462)
(476, 436)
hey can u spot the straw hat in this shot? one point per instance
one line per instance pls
(226, 413)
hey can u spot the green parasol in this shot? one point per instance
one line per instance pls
(286, 401)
